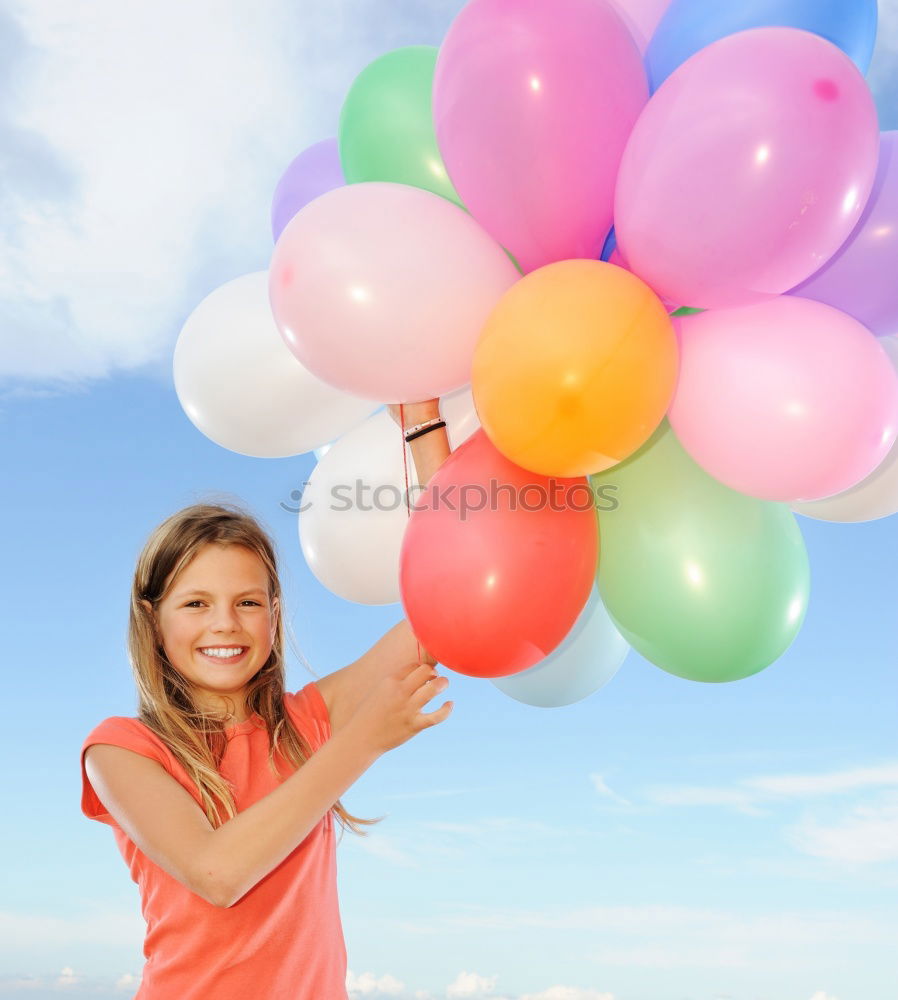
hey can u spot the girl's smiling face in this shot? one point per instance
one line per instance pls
(219, 600)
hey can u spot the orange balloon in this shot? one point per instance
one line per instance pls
(575, 368)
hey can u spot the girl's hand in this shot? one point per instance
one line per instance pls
(415, 413)
(391, 713)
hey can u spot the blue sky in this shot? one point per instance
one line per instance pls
(661, 840)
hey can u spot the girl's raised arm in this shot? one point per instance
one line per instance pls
(221, 865)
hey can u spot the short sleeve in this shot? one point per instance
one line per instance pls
(121, 732)
(308, 711)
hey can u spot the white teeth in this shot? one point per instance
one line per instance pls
(223, 653)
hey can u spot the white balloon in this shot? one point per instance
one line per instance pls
(353, 511)
(873, 497)
(588, 657)
(241, 385)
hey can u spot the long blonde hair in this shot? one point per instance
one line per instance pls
(166, 704)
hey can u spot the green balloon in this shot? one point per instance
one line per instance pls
(706, 583)
(686, 311)
(386, 127)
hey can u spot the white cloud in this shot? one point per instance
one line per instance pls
(868, 834)
(834, 783)
(67, 977)
(671, 937)
(466, 985)
(370, 985)
(820, 995)
(67, 983)
(158, 132)
(21, 932)
(601, 786)
(470, 984)
(694, 795)
(748, 794)
(153, 112)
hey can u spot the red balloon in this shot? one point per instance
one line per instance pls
(497, 562)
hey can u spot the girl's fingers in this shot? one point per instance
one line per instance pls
(417, 673)
(430, 688)
(419, 676)
(433, 718)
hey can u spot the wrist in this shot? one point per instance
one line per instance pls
(355, 733)
(414, 432)
(417, 413)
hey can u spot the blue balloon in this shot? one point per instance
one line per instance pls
(588, 657)
(690, 25)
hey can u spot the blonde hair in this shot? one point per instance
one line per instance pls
(166, 704)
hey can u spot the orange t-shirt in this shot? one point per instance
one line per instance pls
(283, 940)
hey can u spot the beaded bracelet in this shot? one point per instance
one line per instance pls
(420, 429)
(417, 427)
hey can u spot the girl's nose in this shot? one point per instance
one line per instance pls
(225, 620)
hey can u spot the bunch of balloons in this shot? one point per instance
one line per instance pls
(645, 252)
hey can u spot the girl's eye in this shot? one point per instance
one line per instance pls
(247, 601)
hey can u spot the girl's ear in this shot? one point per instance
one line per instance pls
(275, 613)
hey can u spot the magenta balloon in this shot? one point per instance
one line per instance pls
(786, 400)
(748, 169)
(382, 290)
(532, 105)
(861, 278)
(314, 172)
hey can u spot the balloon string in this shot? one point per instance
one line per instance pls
(405, 474)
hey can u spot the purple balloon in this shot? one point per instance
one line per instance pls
(314, 172)
(861, 278)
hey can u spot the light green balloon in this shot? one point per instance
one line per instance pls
(706, 583)
(386, 127)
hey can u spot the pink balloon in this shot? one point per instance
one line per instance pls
(382, 289)
(641, 17)
(748, 169)
(786, 400)
(532, 105)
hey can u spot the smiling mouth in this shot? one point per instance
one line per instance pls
(212, 658)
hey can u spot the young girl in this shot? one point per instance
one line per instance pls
(222, 792)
